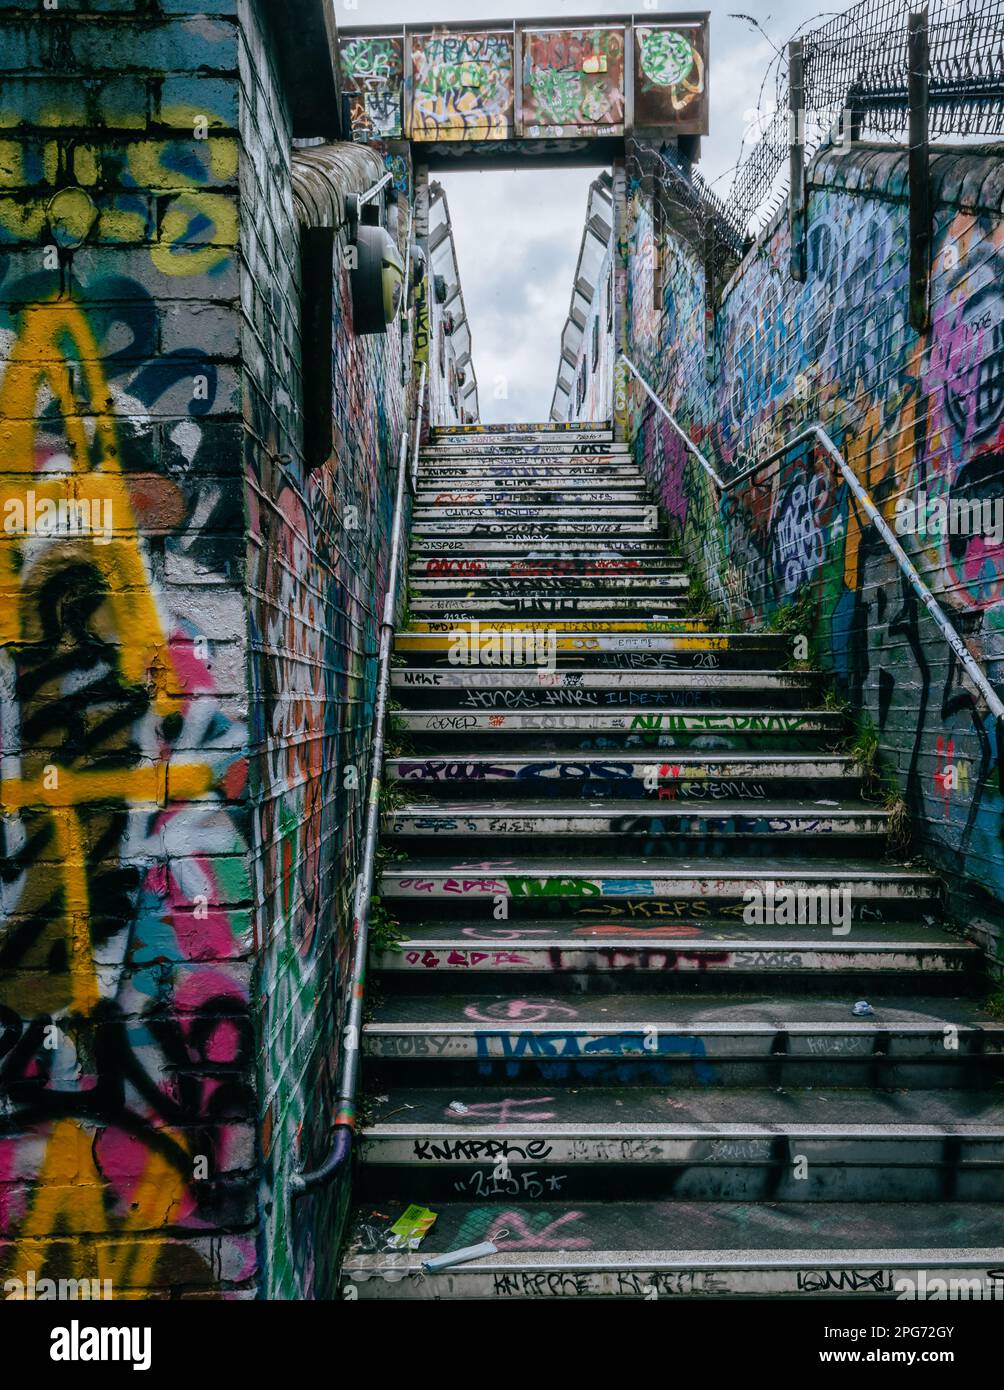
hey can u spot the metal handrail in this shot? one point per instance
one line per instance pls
(816, 433)
(348, 1070)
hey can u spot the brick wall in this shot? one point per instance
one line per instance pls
(912, 413)
(186, 674)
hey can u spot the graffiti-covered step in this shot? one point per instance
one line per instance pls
(607, 605)
(515, 688)
(689, 776)
(529, 819)
(545, 549)
(522, 433)
(664, 1038)
(538, 514)
(548, 954)
(809, 889)
(641, 1250)
(652, 589)
(445, 502)
(705, 1144)
(578, 484)
(561, 642)
(736, 730)
(524, 568)
(505, 525)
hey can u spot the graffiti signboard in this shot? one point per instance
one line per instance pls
(372, 79)
(573, 82)
(671, 77)
(461, 86)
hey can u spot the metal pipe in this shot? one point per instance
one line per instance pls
(817, 434)
(348, 1077)
(419, 403)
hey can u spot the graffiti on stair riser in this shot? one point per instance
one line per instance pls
(919, 417)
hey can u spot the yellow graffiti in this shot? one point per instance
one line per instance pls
(69, 1202)
(54, 351)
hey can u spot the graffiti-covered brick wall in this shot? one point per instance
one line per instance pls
(918, 417)
(127, 1124)
(187, 642)
(317, 572)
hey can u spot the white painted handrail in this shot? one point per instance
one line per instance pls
(815, 433)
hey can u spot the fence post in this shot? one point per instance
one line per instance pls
(919, 170)
(710, 297)
(796, 155)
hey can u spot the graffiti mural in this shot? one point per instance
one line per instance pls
(671, 77)
(917, 417)
(373, 80)
(461, 86)
(126, 1065)
(573, 82)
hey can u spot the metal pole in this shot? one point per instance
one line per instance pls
(919, 171)
(796, 159)
(348, 1075)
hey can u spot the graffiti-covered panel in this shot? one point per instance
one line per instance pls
(372, 81)
(461, 86)
(671, 77)
(573, 82)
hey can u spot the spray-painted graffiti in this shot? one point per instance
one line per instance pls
(912, 414)
(373, 79)
(671, 77)
(573, 81)
(461, 86)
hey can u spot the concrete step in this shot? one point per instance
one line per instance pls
(522, 432)
(603, 605)
(542, 528)
(507, 689)
(569, 956)
(697, 776)
(680, 1040)
(788, 892)
(531, 479)
(581, 517)
(587, 730)
(651, 588)
(550, 497)
(670, 644)
(597, 822)
(642, 1250)
(556, 549)
(522, 568)
(706, 1144)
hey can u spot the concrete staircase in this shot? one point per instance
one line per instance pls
(585, 1043)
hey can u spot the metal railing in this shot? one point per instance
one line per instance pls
(348, 1067)
(815, 433)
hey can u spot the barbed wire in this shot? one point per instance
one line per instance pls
(857, 62)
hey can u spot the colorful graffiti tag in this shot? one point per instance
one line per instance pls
(573, 82)
(461, 86)
(671, 71)
(373, 81)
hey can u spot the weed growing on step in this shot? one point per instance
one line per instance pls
(864, 750)
(798, 620)
(385, 932)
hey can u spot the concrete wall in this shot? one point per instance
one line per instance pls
(183, 694)
(911, 413)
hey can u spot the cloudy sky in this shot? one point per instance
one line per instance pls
(518, 233)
